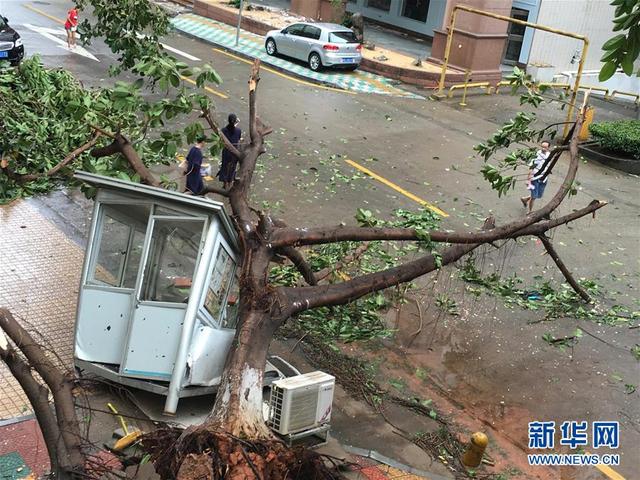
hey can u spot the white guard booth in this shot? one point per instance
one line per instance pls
(158, 299)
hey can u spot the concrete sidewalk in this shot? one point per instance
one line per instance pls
(252, 46)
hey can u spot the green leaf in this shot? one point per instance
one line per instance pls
(627, 65)
(615, 42)
(607, 71)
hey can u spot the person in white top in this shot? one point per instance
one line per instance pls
(535, 181)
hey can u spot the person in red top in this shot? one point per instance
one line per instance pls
(71, 25)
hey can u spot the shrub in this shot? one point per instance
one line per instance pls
(620, 136)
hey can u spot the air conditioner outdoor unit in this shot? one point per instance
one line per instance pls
(301, 403)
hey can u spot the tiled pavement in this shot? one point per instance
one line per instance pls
(252, 45)
(40, 271)
(23, 453)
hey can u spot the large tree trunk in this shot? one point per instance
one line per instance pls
(238, 406)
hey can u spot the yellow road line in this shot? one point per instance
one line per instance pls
(280, 74)
(208, 89)
(608, 471)
(45, 14)
(397, 188)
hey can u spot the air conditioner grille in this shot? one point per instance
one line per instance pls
(275, 415)
(300, 403)
(304, 403)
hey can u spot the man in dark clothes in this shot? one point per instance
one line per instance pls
(227, 173)
(195, 185)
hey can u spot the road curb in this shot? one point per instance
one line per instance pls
(273, 66)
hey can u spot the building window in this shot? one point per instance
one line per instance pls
(416, 9)
(379, 4)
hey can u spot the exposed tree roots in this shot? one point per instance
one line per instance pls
(210, 455)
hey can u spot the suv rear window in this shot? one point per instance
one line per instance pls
(342, 37)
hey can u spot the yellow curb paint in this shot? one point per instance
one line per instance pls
(280, 74)
(44, 14)
(208, 89)
(608, 471)
(397, 188)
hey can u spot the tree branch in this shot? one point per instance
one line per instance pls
(122, 145)
(300, 263)
(104, 132)
(304, 298)
(206, 114)
(59, 384)
(56, 168)
(315, 236)
(210, 188)
(239, 191)
(563, 268)
(325, 272)
(38, 396)
(253, 85)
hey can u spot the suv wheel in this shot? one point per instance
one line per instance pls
(315, 63)
(271, 47)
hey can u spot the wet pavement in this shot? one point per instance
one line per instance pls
(486, 355)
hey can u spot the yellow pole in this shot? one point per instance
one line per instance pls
(447, 51)
(537, 26)
(576, 85)
(463, 102)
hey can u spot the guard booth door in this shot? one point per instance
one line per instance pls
(171, 253)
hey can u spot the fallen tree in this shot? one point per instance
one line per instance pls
(234, 441)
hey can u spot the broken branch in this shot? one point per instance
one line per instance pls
(300, 263)
(206, 114)
(563, 268)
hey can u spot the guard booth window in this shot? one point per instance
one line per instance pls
(172, 258)
(121, 233)
(222, 295)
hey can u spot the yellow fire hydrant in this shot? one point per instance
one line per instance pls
(473, 456)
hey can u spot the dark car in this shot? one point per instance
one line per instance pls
(11, 48)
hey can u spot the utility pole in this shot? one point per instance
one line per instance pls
(239, 22)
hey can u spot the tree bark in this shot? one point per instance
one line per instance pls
(238, 406)
(38, 396)
(59, 384)
(122, 145)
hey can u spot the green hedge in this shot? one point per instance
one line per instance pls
(621, 136)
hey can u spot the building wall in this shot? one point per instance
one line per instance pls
(394, 16)
(592, 18)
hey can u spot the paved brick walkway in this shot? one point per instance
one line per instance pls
(40, 272)
(252, 45)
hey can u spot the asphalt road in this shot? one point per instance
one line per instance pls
(421, 152)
